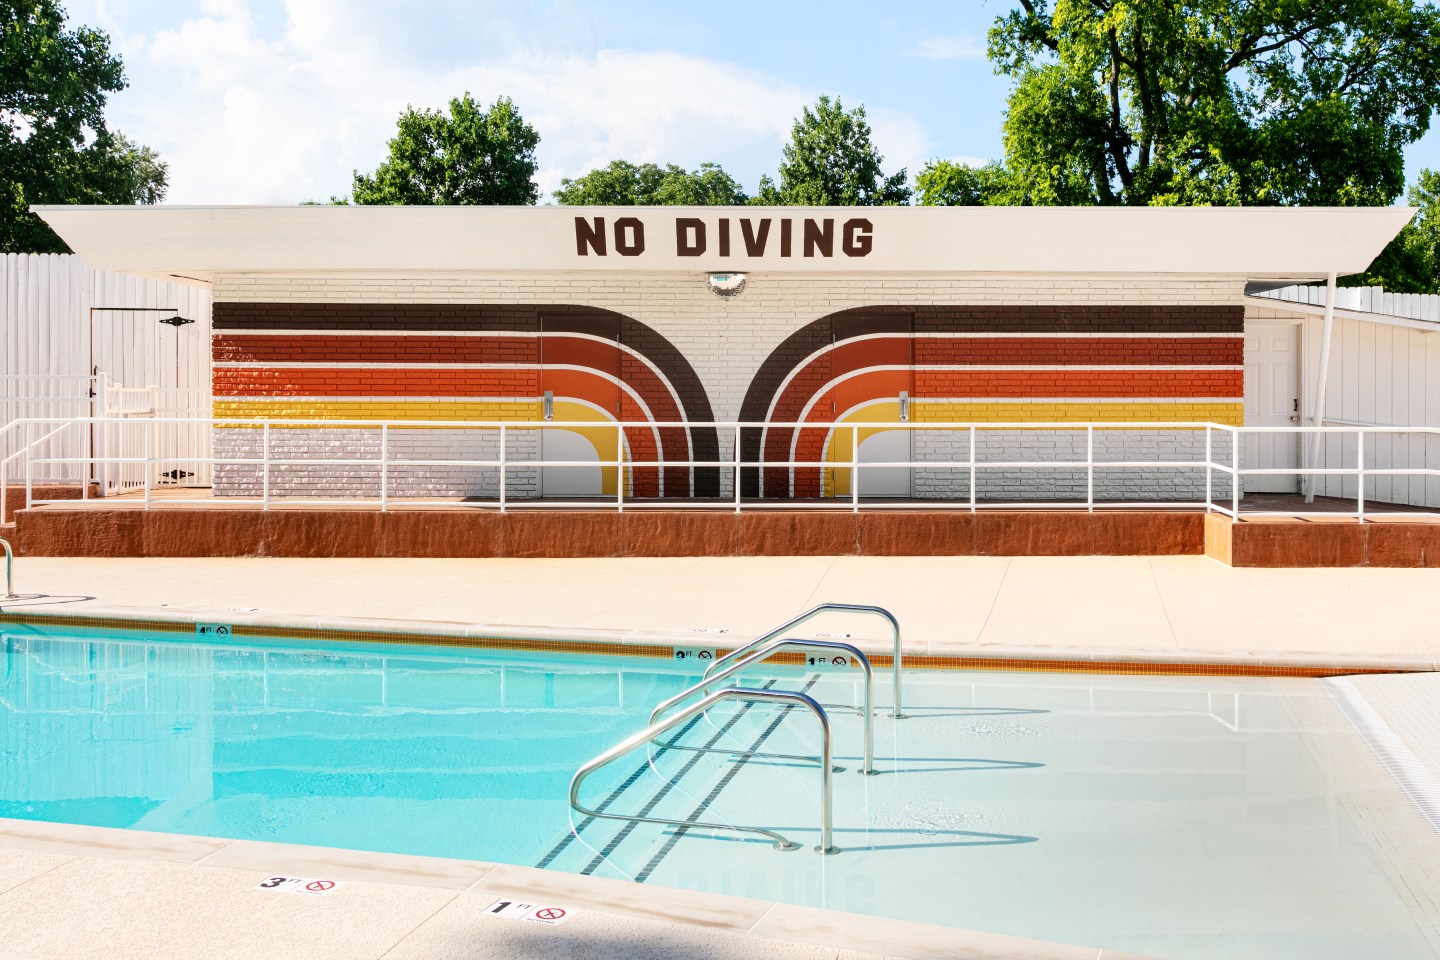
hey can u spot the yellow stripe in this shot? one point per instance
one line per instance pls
(605, 440)
(836, 482)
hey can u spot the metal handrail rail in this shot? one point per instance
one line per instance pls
(1217, 438)
(744, 650)
(763, 654)
(789, 698)
(9, 564)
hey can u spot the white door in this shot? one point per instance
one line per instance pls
(887, 446)
(1272, 399)
(568, 482)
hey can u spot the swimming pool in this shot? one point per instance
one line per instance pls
(1183, 817)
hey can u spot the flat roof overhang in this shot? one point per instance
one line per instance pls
(196, 243)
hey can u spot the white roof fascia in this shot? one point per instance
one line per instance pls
(196, 243)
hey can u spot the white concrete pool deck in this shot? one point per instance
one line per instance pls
(92, 893)
(80, 892)
(1087, 607)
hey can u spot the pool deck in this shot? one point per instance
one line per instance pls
(91, 893)
(79, 892)
(1148, 609)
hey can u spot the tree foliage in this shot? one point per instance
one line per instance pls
(1411, 262)
(626, 184)
(54, 143)
(830, 161)
(945, 183)
(1216, 101)
(469, 155)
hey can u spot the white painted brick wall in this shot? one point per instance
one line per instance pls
(726, 341)
(363, 480)
(1156, 484)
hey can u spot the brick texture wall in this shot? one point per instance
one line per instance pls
(1011, 347)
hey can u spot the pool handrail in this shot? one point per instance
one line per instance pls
(765, 653)
(9, 572)
(815, 611)
(786, 697)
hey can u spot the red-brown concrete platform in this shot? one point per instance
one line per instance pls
(97, 530)
(1341, 542)
(15, 496)
(205, 532)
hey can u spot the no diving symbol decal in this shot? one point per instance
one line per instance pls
(303, 885)
(513, 909)
(824, 661)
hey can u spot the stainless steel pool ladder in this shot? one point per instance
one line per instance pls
(758, 655)
(9, 573)
(785, 697)
(788, 625)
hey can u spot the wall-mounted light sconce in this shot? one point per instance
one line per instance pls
(726, 286)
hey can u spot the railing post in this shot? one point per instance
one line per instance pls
(735, 467)
(1235, 473)
(9, 571)
(149, 430)
(1360, 476)
(972, 468)
(854, 469)
(619, 469)
(384, 467)
(265, 465)
(1089, 468)
(1209, 471)
(502, 468)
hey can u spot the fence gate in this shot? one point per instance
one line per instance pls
(146, 363)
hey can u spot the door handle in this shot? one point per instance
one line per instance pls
(1294, 419)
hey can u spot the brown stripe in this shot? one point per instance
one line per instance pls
(477, 317)
(990, 318)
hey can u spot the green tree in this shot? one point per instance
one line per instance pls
(54, 144)
(1216, 101)
(1411, 262)
(468, 156)
(830, 161)
(944, 183)
(625, 184)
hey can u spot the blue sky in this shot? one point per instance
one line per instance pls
(269, 101)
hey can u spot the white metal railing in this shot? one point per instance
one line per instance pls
(65, 397)
(141, 445)
(44, 396)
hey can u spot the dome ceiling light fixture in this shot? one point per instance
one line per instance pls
(726, 286)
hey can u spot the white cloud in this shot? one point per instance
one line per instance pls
(246, 110)
(947, 48)
(251, 118)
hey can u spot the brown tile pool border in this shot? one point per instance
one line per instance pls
(1061, 662)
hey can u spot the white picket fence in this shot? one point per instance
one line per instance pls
(77, 342)
(1414, 306)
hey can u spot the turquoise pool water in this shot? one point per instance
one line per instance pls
(1182, 817)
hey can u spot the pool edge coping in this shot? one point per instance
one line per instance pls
(662, 645)
(763, 919)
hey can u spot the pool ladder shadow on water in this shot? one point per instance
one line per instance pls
(756, 651)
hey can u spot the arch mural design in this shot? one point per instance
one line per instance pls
(987, 363)
(368, 361)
